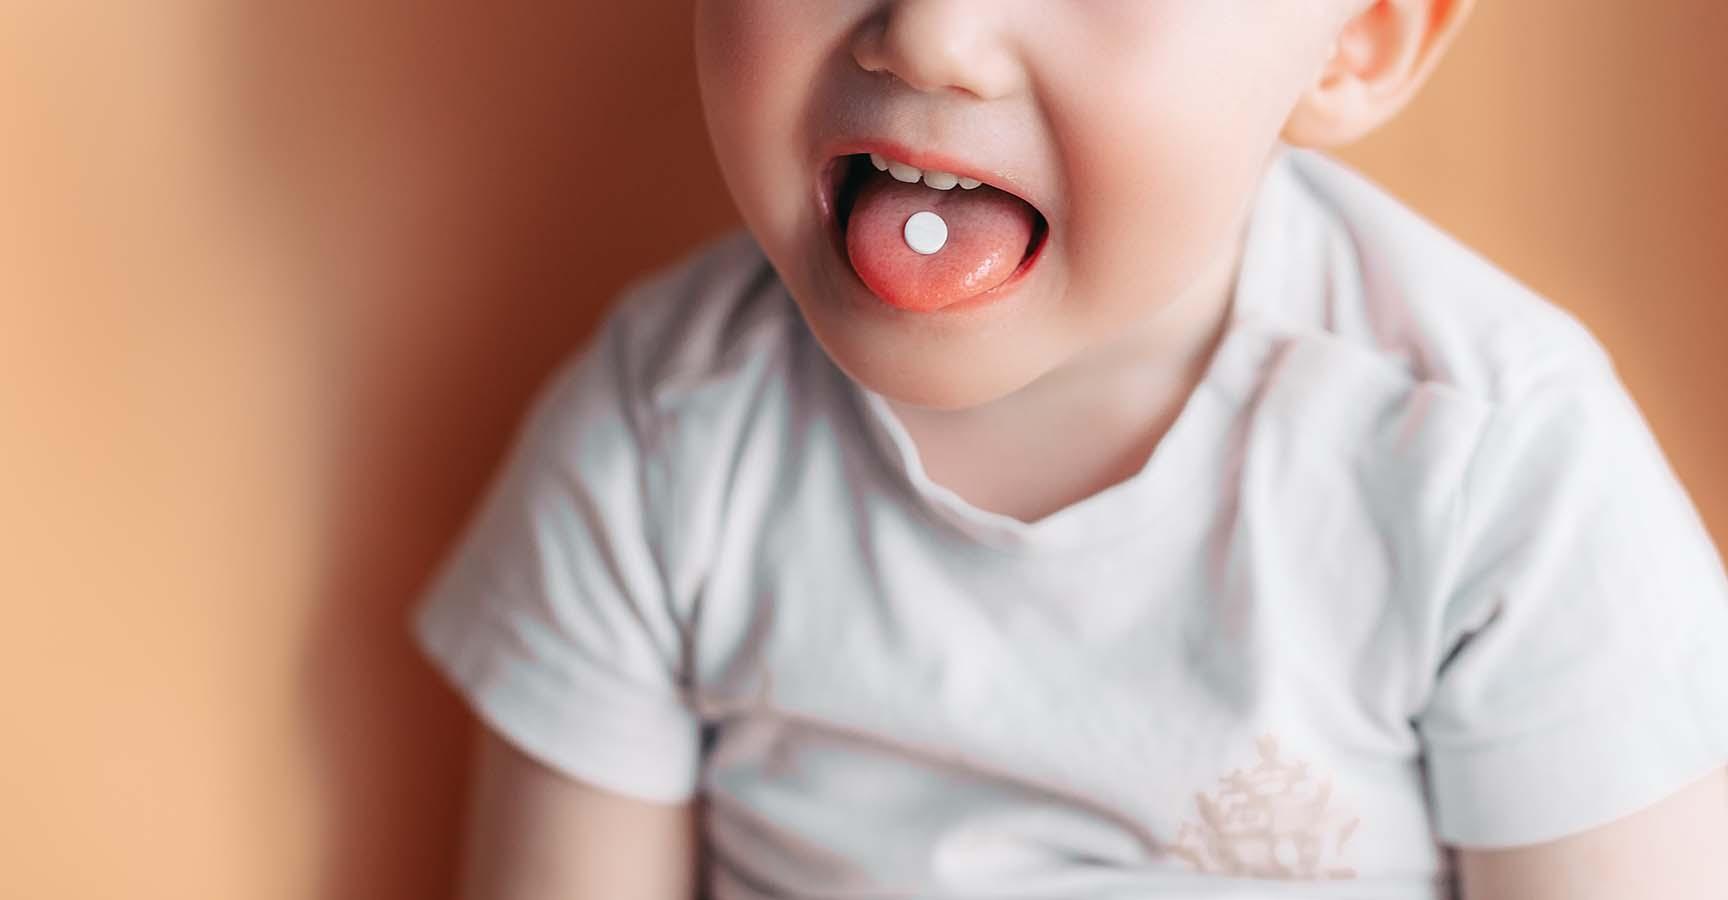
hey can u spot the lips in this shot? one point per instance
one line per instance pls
(978, 201)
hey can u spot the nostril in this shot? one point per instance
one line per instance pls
(867, 47)
(933, 46)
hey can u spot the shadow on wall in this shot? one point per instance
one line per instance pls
(469, 186)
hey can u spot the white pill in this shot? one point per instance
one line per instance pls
(926, 233)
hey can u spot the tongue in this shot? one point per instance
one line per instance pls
(988, 235)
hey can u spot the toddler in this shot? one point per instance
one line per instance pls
(1072, 484)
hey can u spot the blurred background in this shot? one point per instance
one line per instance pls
(276, 280)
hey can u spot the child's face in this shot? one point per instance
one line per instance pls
(1138, 129)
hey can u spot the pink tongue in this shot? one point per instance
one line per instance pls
(988, 234)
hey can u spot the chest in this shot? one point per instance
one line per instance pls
(957, 731)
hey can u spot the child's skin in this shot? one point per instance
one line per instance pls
(1140, 129)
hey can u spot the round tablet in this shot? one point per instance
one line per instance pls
(926, 233)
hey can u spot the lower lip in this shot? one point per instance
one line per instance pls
(828, 192)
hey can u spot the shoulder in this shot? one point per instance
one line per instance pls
(1449, 320)
(1522, 403)
(693, 338)
(1402, 289)
(707, 318)
(1467, 411)
(687, 382)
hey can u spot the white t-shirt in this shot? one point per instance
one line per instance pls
(1408, 570)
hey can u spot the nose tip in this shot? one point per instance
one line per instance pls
(937, 45)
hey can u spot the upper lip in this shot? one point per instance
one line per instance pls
(931, 160)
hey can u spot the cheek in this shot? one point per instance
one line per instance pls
(731, 49)
(752, 56)
(1164, 154)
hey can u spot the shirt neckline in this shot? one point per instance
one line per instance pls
(1133, 504)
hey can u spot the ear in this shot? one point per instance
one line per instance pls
(1382, 57)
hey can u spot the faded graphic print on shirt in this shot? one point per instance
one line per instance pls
(1274, 820)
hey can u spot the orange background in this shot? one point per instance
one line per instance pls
(277, 278)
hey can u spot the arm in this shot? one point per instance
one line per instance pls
(534, 834)
(1676, 850)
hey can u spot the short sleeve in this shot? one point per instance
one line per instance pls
(1585, 633)
(551, 615)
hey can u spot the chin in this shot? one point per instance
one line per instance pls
(930, 380)
(940, 397)
(945, 365)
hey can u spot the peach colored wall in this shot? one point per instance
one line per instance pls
(276, 279)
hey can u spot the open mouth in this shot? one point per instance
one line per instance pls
(987, 239)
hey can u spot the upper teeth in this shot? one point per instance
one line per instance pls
(942, 181)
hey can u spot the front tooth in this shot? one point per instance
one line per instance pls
(880, 163)
(942, 181)
(906, 173)
(970, 184)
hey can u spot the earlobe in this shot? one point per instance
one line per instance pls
(1381, 57)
